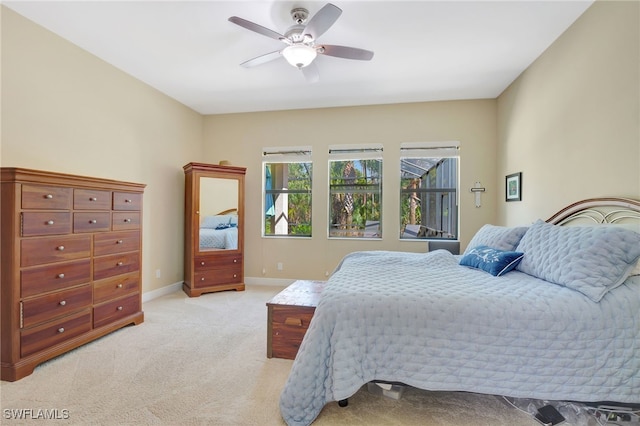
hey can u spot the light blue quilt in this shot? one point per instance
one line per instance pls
(424, 320)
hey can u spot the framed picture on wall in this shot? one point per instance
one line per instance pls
(513, 187)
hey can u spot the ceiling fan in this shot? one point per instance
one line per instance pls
(301, 40)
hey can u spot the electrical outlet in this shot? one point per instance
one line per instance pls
(158, 273)
(280, 267)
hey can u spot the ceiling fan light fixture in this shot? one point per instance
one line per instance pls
(299, 55)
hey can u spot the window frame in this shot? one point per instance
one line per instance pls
(369, 230)
(285, 155)
(434, 151)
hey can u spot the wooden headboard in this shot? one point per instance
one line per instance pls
(229, 211)
(598, 210)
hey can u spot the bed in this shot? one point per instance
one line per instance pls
(546, 311)
(219, 231)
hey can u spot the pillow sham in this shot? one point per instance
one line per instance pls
(590, 259)
(499, 237)
(214, 221)
(494, 261)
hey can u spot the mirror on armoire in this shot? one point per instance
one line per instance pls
(218, 212)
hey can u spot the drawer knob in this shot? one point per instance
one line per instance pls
(61, 330)
(202, 279)
(202, 263)
(293, 321)
(119, 264)
(49, 222)
(127, 220)
(93, 199)
(119, 308)
(49, 196)
(119, 286)
(235, 260)
(63, 302)
(60, 275)
(235, 276)
(60, 248)
(93, 221)
(127, 200)
(119, 242)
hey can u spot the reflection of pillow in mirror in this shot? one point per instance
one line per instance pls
(233, 219)
(214, 221)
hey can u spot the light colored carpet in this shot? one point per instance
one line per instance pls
(197, 361)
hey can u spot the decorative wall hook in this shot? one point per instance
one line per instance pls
(477, 190)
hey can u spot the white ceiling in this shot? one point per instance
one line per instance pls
(424, 50)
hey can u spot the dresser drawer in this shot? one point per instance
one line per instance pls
(204, 263)
(53, 305)
(37, 251)
(46, 197)
(109, 266)
(45, 223)
(127, 201)
(212, 277)
(288, 327)
(116, 242)
(125, 220)
(91, 199)
(55, 332)
(91, 222)
(53, 277)
(115, 287)
(113, 311)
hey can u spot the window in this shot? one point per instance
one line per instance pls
(429, 190)
(355, 191)
(287, 192)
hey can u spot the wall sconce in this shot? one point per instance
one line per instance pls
(477, 190)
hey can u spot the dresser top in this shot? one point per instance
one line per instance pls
(20, 175)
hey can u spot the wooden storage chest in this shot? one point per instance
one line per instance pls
(289, 314)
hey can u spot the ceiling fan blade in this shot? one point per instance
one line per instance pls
(256, 28)
(311, 73)
(262, 59)
(322, 20)
(346, 52)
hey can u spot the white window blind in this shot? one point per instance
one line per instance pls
(286, 154)
(355, 152)
(445, 149)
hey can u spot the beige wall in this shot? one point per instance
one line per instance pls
(240, 138)
(67, 111)
(571, 122)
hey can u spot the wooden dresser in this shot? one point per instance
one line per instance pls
(71, 263)
(289, 314)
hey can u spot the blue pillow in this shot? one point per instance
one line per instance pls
(494, 261)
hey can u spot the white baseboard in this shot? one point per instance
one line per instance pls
(154, 294)
(159, 292)
(282, 282)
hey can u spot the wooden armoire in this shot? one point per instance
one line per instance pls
(214, 228)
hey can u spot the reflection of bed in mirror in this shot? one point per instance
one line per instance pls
(220, 231)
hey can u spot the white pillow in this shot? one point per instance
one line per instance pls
(590, 259)
(213, 222)
(498, 237)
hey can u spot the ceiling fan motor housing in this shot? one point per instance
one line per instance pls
(299, 15)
